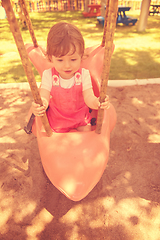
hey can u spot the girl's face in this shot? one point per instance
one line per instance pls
(67, 65)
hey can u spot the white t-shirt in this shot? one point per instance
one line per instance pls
(66, 83)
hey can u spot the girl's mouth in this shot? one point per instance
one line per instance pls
(68, 71)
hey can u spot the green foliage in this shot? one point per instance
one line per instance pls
(136, 55)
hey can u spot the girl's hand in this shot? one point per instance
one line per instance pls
(39, 110)
(105, 104)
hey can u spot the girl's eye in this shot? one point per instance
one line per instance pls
(59, 60)
(73, 59)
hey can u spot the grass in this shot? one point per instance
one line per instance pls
(136, 55)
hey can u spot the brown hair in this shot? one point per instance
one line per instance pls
(61, 37)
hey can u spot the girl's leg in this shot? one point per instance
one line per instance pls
(85, 128)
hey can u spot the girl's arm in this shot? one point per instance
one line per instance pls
(36, 109)
(92, 101)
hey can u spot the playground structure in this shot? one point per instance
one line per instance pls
(154, 9)
(94, 11)
(121, 17)
(73, 161)
(51, 5)
(71, 5)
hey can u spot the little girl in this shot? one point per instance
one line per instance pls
(67, 88)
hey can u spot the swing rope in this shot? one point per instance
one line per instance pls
(29, 23)
(105, 24)
(109, 29)
(25, 60)
(107, 41)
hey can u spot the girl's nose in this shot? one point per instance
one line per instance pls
(67, 64)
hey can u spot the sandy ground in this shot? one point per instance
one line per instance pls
(125, 204)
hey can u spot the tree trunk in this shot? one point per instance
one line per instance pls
(142, 23)
(86, 6)
(103, 4)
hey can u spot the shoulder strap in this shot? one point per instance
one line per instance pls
(54, 72)
(78, 77)
(55, 77)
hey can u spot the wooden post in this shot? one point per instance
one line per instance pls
(111, 24)
(25, 60)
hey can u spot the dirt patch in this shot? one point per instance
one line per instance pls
(125, 204)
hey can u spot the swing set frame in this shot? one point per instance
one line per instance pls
(73, 161)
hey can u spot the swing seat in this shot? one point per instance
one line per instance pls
(75, 161)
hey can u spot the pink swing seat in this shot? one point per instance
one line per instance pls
(75, 161)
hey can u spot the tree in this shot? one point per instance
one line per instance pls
(142, 23)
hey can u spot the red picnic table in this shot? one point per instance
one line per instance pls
(94, 10)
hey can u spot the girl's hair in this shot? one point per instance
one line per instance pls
(61, 38)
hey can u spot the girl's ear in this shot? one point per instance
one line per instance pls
(85, 56)
(50, 58)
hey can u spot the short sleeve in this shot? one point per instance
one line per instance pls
(47, 80)
(86, 79)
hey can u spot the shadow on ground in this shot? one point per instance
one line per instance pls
(125, 204)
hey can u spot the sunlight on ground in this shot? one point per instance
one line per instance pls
(134, 214)
(154, 138)
(38, 224)
(138, 217)
(138, 103)
(26, 211)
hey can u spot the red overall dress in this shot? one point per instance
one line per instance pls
(67, 109)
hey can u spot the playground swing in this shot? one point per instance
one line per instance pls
(73, 161)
